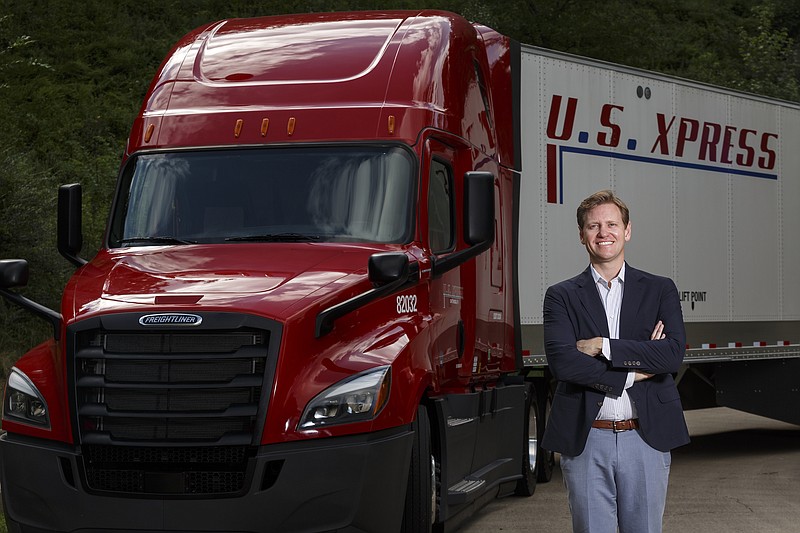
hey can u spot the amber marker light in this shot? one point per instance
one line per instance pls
(390, 124)
(264, 127)
(290, 126)
(149, 133)
(237, 130)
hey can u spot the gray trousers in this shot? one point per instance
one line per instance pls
(618, 481)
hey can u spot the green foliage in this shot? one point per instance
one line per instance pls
(769, 58)
(10, 47)
(741, 44)
(73, 75)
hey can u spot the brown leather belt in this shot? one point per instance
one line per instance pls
(617, 425)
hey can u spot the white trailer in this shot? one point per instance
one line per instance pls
(712, 178)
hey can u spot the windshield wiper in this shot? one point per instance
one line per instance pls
(157, 240)
(276, 237)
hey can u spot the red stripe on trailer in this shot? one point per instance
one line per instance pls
(552, 191)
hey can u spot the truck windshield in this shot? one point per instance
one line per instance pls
(289, 194)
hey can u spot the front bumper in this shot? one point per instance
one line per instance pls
(346, 484)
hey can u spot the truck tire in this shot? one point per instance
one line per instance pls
(526, 485)
(546, 459)
(420, 510)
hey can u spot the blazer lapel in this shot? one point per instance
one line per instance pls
(631, 299)
(590, 299)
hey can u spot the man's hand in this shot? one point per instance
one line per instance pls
(591, 347)
(657, 335)
(658, 332)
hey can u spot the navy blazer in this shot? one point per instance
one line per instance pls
(573, 311)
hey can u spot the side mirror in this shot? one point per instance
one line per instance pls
(70, 235)
(478, 207)
(13, 273)
(387, 267)
(478, 221)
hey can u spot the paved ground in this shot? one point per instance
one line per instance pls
(741, 473)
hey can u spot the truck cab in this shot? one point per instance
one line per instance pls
(303, 316)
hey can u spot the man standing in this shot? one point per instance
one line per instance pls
(613, 337)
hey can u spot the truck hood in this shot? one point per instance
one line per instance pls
(274, 280)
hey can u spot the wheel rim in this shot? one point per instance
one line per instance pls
(533, 438)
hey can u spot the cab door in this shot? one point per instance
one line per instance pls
(467, 302)
(439, 197)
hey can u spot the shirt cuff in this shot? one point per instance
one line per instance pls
(630, 380)
(606, 349)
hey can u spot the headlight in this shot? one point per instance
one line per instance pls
(23, 401)
(355, 399)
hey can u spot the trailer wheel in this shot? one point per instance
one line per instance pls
(546, 459)
(526, 486)
(420, 511)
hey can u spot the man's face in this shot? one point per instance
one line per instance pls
(604, 235)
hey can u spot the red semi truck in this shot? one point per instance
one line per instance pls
(304, 314)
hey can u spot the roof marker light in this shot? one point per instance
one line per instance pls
(290, 126)
(237, 130)
(149, 133)
(264, 127)
(390, 124)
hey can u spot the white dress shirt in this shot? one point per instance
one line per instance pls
(614, 407)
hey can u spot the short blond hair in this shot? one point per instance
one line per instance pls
(599, 198)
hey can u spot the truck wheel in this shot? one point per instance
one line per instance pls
(421, 492)
(546, 459)
(526, 486)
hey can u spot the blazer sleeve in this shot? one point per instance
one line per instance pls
(663, 356)
(566, 362)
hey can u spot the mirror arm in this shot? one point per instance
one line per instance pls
(39, 310)
(326, 318)
(440, 265)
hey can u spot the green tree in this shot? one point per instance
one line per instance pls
(10, 56)
(21, 200)
(769, 57)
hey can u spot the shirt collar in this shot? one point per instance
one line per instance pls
(597, 277)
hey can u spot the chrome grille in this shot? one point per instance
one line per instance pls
(128, 391)
(166, 411)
